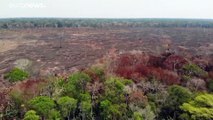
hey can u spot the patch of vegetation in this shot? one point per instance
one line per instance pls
(194, 70)
(67, 106)
(43, 105)
(177, 96)
(16, 75)
(31, 115)
(201, 108)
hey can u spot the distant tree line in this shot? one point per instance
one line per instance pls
(12, 23)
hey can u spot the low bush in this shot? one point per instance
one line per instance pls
(16, 75)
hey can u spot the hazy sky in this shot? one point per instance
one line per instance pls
(107, 8)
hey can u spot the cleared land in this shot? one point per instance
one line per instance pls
(81, 47)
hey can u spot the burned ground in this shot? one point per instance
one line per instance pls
(81, 47)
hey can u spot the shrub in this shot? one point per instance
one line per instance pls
(16, 75)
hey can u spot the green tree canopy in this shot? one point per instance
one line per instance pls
(31, 115)
(76, 84)
(42, 105)
(200, 108)
(194, 70)
(114, 101)
(114, 90)
(137, 116)
(86, 106)
(67, 105)
(177, 96)
(54, 115)
(112, 111)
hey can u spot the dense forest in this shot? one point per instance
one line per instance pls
(98, 23)
(128, 86)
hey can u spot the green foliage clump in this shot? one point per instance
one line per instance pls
(75, 87)
(98, 71)
(112, 111)
(113, 105)
(177, 96)
(184, 116)
(42, 105)
(194, 70)
(201, 108)
(76, 84)
(16, 75)
(210, 85)
(67, 105)
(85, 106)
(54, 115)
(114, 90)
(31, 115)
(137, 116)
